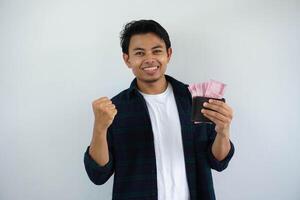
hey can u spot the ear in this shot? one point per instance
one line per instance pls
(169, 52)
(126, 60)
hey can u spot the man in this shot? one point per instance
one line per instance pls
(145, 136)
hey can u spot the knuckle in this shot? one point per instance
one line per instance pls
(102, 99)
(94, 103)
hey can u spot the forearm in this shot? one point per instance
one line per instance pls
(98, 147)
(221, 147)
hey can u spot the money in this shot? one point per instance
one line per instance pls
(215, 89)
(211, 88)
(202, 92)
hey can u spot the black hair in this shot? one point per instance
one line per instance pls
(141, 27)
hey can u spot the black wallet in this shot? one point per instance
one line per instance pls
(197, 105)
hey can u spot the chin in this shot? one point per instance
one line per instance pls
(150, 79)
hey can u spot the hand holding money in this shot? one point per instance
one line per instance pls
(210, 95)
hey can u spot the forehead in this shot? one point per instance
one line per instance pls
(147, 40)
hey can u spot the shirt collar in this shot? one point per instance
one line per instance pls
(179, 88)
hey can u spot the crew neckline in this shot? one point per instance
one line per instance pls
(157, 95)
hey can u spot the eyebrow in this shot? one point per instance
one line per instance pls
(155, 47)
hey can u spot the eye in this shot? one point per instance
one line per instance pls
(139, 53)
(157, 51)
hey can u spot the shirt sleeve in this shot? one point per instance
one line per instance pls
(214, 163)
(96, 173)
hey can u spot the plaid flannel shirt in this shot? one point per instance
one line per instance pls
(132, 155)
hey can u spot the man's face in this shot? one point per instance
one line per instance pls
(147, 57)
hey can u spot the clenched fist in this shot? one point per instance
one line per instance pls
(105, 112)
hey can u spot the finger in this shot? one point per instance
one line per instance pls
(110, 106)
(100, 100)
(115, 112)
(219, 103)
(104, 102)
(108, 102)
(217, 108)
(214, 120)
(216, 115)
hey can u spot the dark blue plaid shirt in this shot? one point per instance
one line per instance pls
(132, 155)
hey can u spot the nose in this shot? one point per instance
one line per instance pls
(149, 61)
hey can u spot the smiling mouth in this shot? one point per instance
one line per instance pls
(151, 71)
(150, 68)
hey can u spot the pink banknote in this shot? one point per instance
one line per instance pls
(211, 89)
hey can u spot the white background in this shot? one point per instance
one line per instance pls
(56, 57)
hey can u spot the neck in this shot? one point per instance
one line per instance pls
(156, 87)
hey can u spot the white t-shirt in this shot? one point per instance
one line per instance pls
(171, 174)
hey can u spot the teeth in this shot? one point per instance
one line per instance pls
(150, 68)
